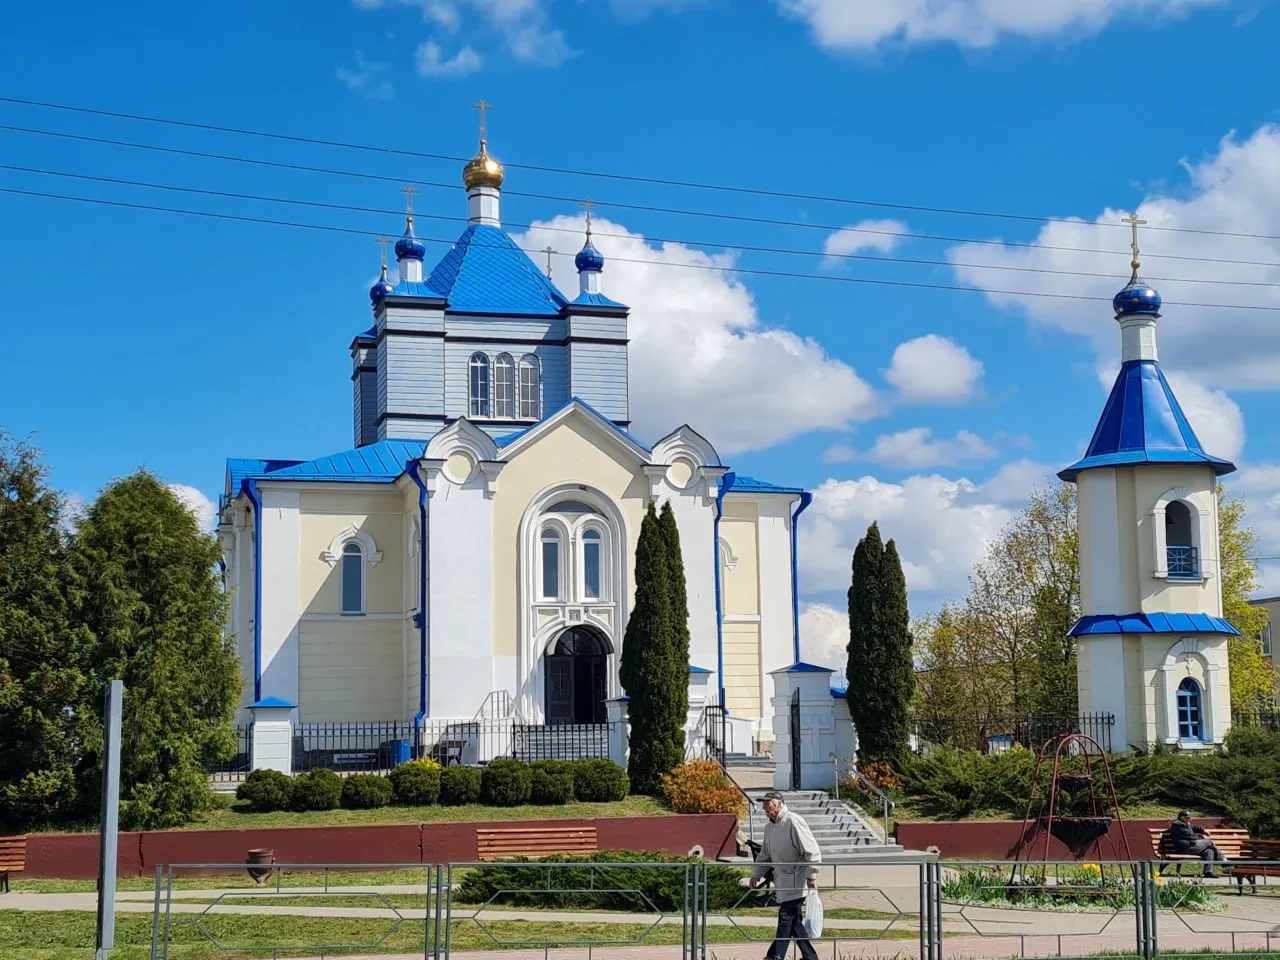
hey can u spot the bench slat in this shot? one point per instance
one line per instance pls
(536, 842)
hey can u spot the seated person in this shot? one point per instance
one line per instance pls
(1185, 837)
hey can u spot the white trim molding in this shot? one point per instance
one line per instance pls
(1200, 515)
(727, 556)
(685, 442)
(333, 553)
(1196, 649)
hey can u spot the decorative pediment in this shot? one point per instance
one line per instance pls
(685, 443)
(333, 553)
(611, 436)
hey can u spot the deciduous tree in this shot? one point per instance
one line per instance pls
(1253, 678)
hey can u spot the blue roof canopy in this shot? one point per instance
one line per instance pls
(486, 272)
(1152, 623)
(1142, 423)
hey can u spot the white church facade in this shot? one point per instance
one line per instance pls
(473, 551)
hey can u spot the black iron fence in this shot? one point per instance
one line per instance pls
(567, 741)
(1267, 719)
(236, 766)
(999, 734)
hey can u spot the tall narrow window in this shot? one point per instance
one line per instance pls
(1265, 638)
(591, 564)
(1183, 562)
(530, 388)
(1190, 723)
(550, 564)
(352, 579)
(504, 386)
(479, 385)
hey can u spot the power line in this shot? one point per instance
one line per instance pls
(627, 178)
(351, 208)
(748, 271)
(736, 218)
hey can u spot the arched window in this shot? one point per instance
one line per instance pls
(550, 563)
(504, 386)
(592, 564)
(479, 392)
(1190, 711)
(352, 579)
(530, 388)
(1184, 564)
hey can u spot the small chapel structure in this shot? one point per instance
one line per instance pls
(472, 553)
(1151, 640)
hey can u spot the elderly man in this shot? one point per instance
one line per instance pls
(1190, 838)
(792, 853)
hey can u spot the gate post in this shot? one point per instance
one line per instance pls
(804, 727)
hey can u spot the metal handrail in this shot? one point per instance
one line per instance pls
(852, 774)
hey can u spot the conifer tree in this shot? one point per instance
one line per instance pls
(679, 592)
(880, 671)
(41, 651)
(148, 592)
(657, 727)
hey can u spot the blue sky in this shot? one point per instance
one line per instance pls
(174, 342)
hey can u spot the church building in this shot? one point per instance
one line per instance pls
(473, 552)
(1151, 641)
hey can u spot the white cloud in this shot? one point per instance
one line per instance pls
(933, 369)
(1013, 482)
(824, 636)
(1216, 419)
(864, 25)
(432, 62)
(367, 78)
(882, 236)
(204, 509)
(916, 449)
(840, 453)
(1232, 192)
(72, 509)
(745, 385)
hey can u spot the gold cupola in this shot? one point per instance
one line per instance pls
(482, 170)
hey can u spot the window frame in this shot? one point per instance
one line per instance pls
(548, 533)
(479, 385)
(593, 528)
(505, 386)
(352, 548)
(1189, 702)
(532, 408)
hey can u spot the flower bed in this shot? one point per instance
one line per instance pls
(1086, 887)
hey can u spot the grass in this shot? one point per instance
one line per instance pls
(237, 878)
(911, 808)
(70, 936)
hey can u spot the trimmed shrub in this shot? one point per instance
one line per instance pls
(317, 790)
(416, 783)
(266, 791)
(702, 787)
(459, 785)
(616, 888)
(505, 783)
(364, 791)
(552, 782)
(599, 781)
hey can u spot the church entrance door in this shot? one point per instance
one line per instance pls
(576, 676)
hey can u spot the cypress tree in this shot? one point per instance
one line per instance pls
(880, 670)
(149, 593)
(42, 678)
(679, 593)
(657, 732)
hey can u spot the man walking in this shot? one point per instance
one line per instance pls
(1186, 837)
(792, 854)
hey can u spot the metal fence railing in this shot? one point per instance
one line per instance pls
(998, 734)
(1267, 719)
(563, 741)
(235, 767)
(697, 910)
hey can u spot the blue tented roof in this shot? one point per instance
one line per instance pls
(486, 272)
(1142, 423)
(1152, 623)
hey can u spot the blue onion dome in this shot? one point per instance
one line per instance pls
(589, 258)
(409, 247)
(1138, 298)
(382, 289)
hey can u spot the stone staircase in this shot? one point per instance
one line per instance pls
(840, 832)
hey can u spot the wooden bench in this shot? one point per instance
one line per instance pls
(13, 859)
(1228, 841)
(1254, 849)
(535, 842)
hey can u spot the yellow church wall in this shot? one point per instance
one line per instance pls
(568, 454)
(741, 580)
(322, 516)
(350, 670)
(1172, 596)
(742, 669)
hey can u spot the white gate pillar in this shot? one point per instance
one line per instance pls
(807, 686)
(271, 746)
(619, 730)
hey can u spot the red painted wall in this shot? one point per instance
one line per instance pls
(74, 856)
(1000, 839)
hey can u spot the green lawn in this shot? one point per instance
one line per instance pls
(916, 808)
(68, 936)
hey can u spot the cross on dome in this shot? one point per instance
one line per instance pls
(1138, 298)
(589, 259)
(483, 170)
(381, 288)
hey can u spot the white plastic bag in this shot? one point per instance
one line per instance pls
(812, 914)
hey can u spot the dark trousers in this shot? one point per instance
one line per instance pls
(1207, 851)
(791, 927)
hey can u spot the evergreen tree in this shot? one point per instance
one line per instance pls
(880, 672)
(148, 591)
(657, 725)
(679, 593)
(41, 651)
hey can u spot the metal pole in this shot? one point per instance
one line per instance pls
(110, 824)
(155, 914)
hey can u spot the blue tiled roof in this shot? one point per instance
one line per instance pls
(276, 703)
(1142, 423)
(752, 485)
(693, 669)
(415, 288)
(1152, 623)
(597, 300)
(839, 693)
(486, 272)
(803, 667)
(380, 462)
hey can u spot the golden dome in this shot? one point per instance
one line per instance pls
(483, 170)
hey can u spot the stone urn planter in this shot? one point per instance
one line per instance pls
(254, 860)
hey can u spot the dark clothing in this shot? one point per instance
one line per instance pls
(1183, 837)
(791, 927)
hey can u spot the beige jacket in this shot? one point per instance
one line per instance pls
(790, 849)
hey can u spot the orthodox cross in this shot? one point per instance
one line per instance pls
(409, 190)
(382, 242)
(1134, 222)
(483, 106)
(548, 252)
(587, 205)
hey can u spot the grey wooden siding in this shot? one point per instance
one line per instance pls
(598, 376)
(457, 357)
(414, 371)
